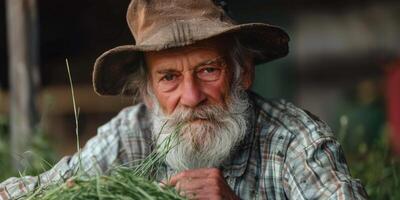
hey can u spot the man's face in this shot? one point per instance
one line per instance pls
(189, 76)
(192, 88)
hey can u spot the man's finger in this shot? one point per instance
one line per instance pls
(191, 184)
(195, 173)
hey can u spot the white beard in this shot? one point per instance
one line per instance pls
(208, 133)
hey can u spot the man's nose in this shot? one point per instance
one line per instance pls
(192, 94)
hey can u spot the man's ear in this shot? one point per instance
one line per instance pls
(248, 73)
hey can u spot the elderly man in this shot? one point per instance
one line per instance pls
(191, 66)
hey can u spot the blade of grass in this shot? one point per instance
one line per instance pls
(76, 114)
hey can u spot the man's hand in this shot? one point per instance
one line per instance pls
(205, 183)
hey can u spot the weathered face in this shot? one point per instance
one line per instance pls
(194, 88)
(189, 76)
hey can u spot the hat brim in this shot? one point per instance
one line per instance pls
(113, 67)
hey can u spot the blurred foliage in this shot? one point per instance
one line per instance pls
(372, 163)
(363, 132)
(40, 158)
(5, 165)
(364, 109)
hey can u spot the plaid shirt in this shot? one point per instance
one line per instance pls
(288, 153)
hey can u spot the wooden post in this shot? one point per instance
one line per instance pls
(22, 33)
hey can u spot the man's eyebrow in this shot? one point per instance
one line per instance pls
(166, 71)
(206, 62)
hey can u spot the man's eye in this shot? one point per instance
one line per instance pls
(168, 81)
(209, 73)
(208, 70)
(168, 77)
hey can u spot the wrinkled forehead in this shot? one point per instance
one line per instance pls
(206, 49)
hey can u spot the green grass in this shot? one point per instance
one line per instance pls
(123, 183)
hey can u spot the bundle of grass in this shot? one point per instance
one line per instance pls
(121, 186)
(123, 183)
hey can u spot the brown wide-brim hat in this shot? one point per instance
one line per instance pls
(162, 24)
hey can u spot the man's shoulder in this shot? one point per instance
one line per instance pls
(131, 127)
(129, 119)
(285, 120)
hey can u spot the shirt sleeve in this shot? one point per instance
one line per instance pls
(98, 155)
(319, 171)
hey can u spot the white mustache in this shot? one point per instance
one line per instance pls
(210, 113)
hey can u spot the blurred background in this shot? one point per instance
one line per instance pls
(343, 66)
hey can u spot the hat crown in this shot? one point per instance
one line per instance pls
(146, 17)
